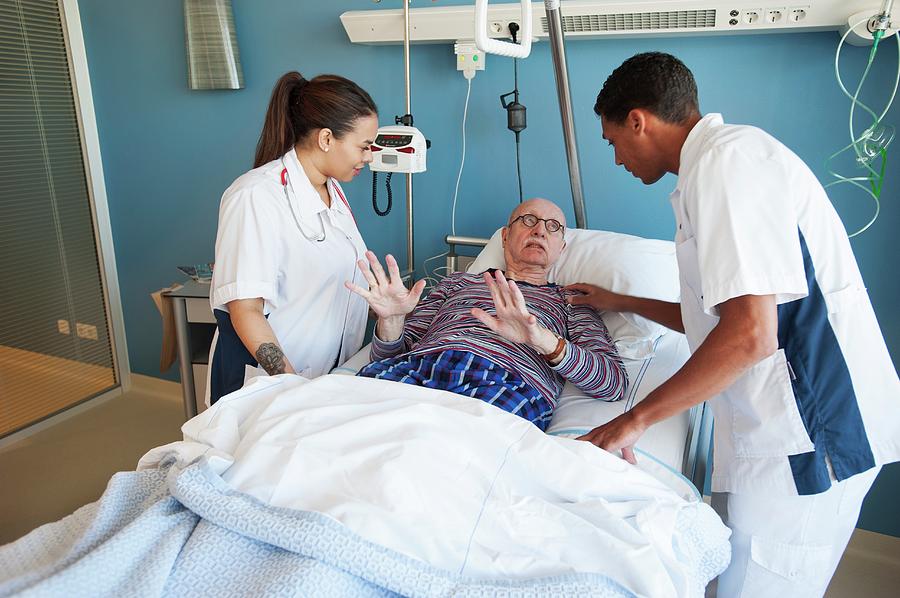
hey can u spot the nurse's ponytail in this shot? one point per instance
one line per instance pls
(299, 107)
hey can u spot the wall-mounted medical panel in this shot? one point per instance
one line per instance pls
(592, 19)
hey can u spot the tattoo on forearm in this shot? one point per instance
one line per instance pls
(271, 358)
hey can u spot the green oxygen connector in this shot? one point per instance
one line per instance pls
(870, 148)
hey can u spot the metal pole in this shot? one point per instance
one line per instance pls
(701, 457)
(410, 259)
(185, 367)
(454, 240)
(561, 72)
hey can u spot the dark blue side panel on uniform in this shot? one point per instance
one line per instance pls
(823, 390)
(229, 359)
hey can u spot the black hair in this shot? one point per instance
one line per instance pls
(653, 81)
(298, 107)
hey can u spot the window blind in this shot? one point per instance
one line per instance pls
(55, 348)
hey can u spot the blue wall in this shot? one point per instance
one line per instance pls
(169, 152)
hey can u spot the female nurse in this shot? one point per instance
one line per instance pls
(287, 239)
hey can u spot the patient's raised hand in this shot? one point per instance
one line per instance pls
(513, 320)
(387, 295)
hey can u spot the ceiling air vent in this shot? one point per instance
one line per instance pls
(637, 21)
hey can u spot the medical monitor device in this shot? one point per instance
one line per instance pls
(398, 148)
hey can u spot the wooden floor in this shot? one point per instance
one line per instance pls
(57, 470)
(34, 386)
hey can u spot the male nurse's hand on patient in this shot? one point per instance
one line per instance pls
(621, 433)
(513, 320)
(598, 298)
(387, 295)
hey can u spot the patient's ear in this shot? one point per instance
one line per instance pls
(503, 232)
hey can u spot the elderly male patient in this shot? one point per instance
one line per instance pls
(507, 338)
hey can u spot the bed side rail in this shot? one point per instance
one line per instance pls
(696, 449)
(454, 263)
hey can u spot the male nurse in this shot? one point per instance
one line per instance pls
(785, 345)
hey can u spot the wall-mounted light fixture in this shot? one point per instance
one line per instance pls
(213, 58)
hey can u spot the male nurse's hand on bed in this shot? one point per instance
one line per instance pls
(513, 320)
(598, 298)
(621, 433)
(387, 295)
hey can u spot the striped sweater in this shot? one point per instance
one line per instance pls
(443, 321)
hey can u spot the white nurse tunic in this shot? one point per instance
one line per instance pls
(800, 437)
(278, 241)
(752, 219)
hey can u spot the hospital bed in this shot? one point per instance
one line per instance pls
(651, 354)
(351, 486)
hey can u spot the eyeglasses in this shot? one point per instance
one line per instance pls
(530, 220)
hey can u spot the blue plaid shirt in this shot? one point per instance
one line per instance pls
(465, 373)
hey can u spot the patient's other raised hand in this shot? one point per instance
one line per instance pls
(387, 295)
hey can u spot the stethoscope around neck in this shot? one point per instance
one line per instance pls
(285, 183)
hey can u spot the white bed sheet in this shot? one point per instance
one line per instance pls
(662, 446)
(665, 441)
(453, 482)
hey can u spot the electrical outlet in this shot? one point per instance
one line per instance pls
(775, 15)
(797, 14)
(63, 327)
(88, 331)
(752, 16)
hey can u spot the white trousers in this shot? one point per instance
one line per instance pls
(788, 546)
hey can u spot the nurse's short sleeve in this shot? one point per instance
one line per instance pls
(247, 248)
(746, 229)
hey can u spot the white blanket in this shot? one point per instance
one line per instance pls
(454, 482)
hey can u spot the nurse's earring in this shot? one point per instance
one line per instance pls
(325, 140)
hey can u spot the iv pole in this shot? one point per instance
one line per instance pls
(410, 260)
(561, 74)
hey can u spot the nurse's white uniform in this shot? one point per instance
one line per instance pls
(801, 436)
(299, 271)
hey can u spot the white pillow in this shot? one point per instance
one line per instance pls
(621, 263)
